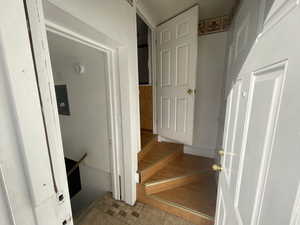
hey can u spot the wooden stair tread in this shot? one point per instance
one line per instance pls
(146, 137)
(200, 196)
(178, 183)
(181, 166)
(189, 215)
(159, 151)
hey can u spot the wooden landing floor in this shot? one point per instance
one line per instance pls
(200, 196)
(145, 138)
(184, 165)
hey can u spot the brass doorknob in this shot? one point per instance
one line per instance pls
(216, 167)
(190, 91)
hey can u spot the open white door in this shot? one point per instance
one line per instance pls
(29, 194)
(259, 183)
(177, 48)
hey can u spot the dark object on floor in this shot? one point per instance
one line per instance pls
(74, 181)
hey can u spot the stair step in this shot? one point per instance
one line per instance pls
(187, 164)
(199, 197)
(160, 155)
(147, 142)
(191, 215)
(170, 183)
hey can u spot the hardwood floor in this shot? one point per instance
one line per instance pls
(159, 152)
(160, 155)
(170, 183)
(200, 196)
(178, 183)
(146, 137)
(147, 142)
(183, 165)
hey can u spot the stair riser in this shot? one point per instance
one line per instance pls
(173, 183)
(150, 171)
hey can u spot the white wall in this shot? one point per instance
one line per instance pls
(210, 81)
(116, 20)
(86, 129)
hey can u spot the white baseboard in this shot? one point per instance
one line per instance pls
(200, 151)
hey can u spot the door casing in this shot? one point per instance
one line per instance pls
(123, 174)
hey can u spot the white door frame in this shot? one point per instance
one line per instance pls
(112, 96)
(152, 64)
(121, 178)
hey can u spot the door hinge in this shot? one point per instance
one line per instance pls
(66, 221)
(60, 197)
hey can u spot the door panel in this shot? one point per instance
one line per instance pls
(180, 114)
(231, 130)
(165, 75)
(182, 65)
(259, 183)
(264, 101)
(221, 218)
(165, 112)
(177, 64)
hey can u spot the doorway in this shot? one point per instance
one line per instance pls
(145, 81)
(170, 178)
(80, 76)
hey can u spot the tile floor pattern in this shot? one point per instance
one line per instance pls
(107, 211)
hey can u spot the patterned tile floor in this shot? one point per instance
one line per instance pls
(107, 211)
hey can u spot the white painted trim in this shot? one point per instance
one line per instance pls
(200, 151)
(69, 34)
(146, 18)
(7, 197)
(114, 125)
(20, 75)
(125, 163)
(295, 218)
(270, 136)
(154, 79)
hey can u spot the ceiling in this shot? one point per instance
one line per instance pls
(161, 10)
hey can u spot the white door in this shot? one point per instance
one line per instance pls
(177, 47)
(259, 183)
(29, 194)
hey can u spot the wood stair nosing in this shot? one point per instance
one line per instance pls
(178, 210)
(160, 164)
(147, 148)
(170, 183)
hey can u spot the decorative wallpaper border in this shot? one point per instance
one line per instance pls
(214, 25)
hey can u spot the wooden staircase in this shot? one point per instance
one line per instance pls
(175, 182)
